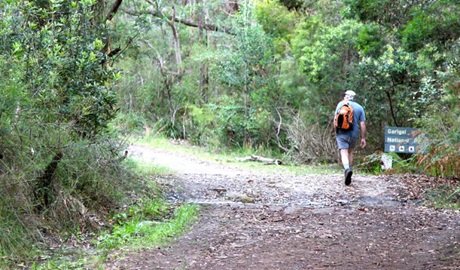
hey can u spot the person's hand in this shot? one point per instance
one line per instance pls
(363, 143)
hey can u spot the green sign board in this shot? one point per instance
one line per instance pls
(401, 139)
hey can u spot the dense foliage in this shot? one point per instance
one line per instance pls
(58, 161)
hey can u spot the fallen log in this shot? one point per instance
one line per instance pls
(264, 160)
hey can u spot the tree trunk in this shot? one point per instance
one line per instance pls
(176, 42)
(43, 188)
(204, 67)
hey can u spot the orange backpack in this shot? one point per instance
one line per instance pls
(344, 117)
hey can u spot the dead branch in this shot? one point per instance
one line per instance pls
(268, 161)
(280, 145)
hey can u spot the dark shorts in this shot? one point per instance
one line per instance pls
(345, 141)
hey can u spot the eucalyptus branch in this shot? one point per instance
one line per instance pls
(113, 10)
(157, 13)
(280, 145)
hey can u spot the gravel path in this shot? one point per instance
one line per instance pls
(255, 220)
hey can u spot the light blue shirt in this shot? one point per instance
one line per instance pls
(358, 117)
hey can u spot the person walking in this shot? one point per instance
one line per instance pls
(347, 139)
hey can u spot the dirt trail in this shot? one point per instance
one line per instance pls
(253, 220)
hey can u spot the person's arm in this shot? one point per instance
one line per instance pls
(363, 134)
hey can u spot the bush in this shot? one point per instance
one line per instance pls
(129, 123)
(60, 166)
(439, 154)
(311, 142)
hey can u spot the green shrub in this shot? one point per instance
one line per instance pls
(129, 123)
(443, 196)
(440, 148)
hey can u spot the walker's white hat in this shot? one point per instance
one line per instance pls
(350, 93)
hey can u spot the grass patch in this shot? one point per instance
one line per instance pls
(15, 240)
(146, 169)
(151, 223)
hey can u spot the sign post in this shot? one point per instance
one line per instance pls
(401, 139)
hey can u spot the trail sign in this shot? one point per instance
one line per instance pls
(401, 139)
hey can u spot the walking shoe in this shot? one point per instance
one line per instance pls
(348, 174)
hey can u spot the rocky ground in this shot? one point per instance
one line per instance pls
(255, 220)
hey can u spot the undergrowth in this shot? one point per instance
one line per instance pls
(373, 164)
(443, 197)
(97, 199)
(147, 221)
(152, 223)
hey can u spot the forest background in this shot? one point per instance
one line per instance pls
(77, 76)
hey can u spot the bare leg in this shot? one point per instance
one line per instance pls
(345, 156)
(350, 156)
